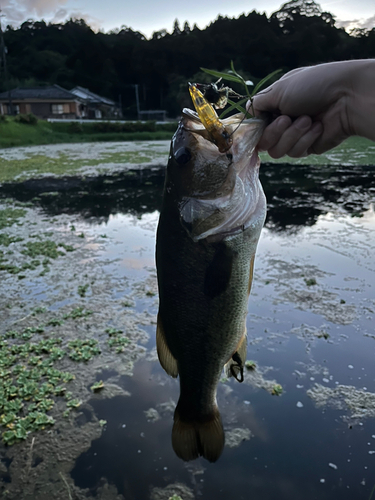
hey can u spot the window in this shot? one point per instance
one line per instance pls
(57, 109)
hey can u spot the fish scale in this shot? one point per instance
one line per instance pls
(212, 214)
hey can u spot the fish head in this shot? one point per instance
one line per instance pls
(196, 168)
(210, 187)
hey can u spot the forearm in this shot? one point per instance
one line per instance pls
(361, 98)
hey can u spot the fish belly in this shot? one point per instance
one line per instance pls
(203, 291)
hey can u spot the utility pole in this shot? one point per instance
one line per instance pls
(137, 100)
(3, 65)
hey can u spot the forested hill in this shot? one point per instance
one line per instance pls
(110, 64)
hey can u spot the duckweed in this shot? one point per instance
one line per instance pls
(48, 248)
(78, 312)
(82, 289)
(277, 390)
(83, 350)
(97, 386)
(250, 365)
(310, 281)
(6, 240)
(29, 381)
(9, 216)
(116, 340)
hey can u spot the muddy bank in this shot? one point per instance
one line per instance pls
(71, 317)
(79, 301)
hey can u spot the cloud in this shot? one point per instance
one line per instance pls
(54, 11)
(40, 7)
(59, 16)
(92, 21)
(16, 11)
(366, 24)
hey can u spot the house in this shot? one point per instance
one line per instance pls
(95, 106)
(56, 102)
(44, 102)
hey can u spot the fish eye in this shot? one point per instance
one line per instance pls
(182, 156)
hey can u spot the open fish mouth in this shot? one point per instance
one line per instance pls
(218, 208)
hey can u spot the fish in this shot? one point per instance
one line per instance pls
(212, 214)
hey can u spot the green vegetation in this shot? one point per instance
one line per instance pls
(83, 350)
(250, 365)
(29, 379)
(277, 390)
(82, 289)
(9, 216)
(32, 249)
(310, 281)
(353, 151)
(97, 386)
(116, 340)
(34, 165)
(57, 53)
(14, 132)
(78, 312)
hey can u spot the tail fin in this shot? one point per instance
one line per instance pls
(192, 438)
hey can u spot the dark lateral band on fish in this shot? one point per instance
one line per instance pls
(212, 214)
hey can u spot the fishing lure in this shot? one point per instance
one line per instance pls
(211, 122)
(218, 96)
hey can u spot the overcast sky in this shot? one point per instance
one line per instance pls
(148, 16)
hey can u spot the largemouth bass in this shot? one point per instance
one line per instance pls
(212, 214)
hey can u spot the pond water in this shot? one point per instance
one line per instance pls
(310, 329)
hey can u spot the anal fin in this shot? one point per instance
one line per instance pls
(234, 367)
(166, 358)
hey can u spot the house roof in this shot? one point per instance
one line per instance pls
(90, 97)
(50, 92)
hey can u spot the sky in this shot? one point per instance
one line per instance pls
(148, 16)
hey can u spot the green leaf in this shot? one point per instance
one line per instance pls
(234, 71)
(234, 106)
(264, 80)
(225, 76)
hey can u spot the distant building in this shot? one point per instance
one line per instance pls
(43, 102)
(56, 102)
(95, 106)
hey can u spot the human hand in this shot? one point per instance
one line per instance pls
(309, 107)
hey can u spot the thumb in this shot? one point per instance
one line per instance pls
(264, 102)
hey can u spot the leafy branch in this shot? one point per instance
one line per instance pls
(233, 76)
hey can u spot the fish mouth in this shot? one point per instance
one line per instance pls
(237, 208)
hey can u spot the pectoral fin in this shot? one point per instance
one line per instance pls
(167, 360)
(234, 367)
(251, 274)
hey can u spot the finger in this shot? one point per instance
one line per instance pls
(290, 137)
(302, 146)
(273, 132)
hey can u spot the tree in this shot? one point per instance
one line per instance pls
(176, 28)
(308, 8)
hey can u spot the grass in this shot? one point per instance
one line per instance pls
(13, 133)
(37, 164)
(353, 151)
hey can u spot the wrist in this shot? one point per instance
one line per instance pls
(360, 97)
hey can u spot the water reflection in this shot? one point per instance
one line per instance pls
(300, 337)
(296, 196)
